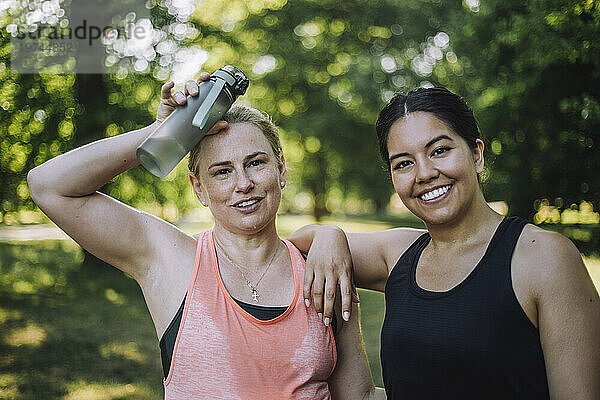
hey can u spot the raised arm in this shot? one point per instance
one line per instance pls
(66, 189)
(568, 314)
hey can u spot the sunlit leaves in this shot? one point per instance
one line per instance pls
(323, 69)
(65, 129)
(531, 77)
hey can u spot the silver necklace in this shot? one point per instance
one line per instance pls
(253, 288)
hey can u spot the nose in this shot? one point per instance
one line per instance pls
(425, 171)
(244, 182)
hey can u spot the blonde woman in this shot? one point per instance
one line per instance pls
(227, 304)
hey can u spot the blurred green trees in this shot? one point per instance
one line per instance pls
(323, 69)
(532, 74)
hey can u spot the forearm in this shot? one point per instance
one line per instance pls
(86, 169)
(303, 237)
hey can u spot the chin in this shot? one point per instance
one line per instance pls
(249, 226)
(442, 220)
(435, 217)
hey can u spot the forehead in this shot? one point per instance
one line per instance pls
(417, 129)
(234, 143)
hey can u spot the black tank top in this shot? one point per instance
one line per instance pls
(471, 342)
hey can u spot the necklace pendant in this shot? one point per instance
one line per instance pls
(255, 294)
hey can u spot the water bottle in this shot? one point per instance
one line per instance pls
(188, 124)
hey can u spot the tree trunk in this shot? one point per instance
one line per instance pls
(91, 94)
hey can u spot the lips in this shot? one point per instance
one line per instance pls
(435, 193)
(246, 203)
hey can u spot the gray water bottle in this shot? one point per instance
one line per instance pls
(184, 128)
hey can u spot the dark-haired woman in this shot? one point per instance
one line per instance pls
(478, 306)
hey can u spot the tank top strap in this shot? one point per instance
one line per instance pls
(297, 260)
(414, 250)
(411, 256)
(508, 236)
(504, 243)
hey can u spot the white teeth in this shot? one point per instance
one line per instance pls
(247, 203)
(435, 193)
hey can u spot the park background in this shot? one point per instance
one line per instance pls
(72, 327)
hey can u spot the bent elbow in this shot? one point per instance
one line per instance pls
(36, 185)
(32, 183)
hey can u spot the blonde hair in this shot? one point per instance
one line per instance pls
(243, 114)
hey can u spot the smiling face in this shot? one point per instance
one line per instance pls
(433, 169)
(240, 178)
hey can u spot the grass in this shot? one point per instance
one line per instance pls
(69, 331)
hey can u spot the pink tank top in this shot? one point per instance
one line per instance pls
(222, 352)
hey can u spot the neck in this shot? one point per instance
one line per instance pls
(477, 222)
(250, 250)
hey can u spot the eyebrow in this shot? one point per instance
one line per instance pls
(248, 157)
(429, 144)
(437, 139)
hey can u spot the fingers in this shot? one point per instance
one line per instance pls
(346, 292)
(329, 299)
(204, 76)
(179, 98)
(174, 99)
(355, 298)
(191, 88)
(308, 280)
(165, 90)
(218, 127)
(317, 292)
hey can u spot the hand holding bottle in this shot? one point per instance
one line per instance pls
(196, 114)
(169, 101)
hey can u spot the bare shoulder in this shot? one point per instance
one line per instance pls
(394, 242)
(545, 249)
(404, 235)
(548, 258)
(374, 254)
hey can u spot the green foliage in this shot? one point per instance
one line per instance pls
(323, 70)
(36, 124)
(532, 74)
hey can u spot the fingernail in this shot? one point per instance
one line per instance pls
(320, 315)
(307, 302)
(346, 315)
(326, 321)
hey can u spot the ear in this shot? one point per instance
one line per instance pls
(478, 156)
(282, 171)
(198, 189)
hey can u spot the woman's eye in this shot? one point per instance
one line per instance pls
(222, 172)
(440, 150)
(255, 163)
(402, 164)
